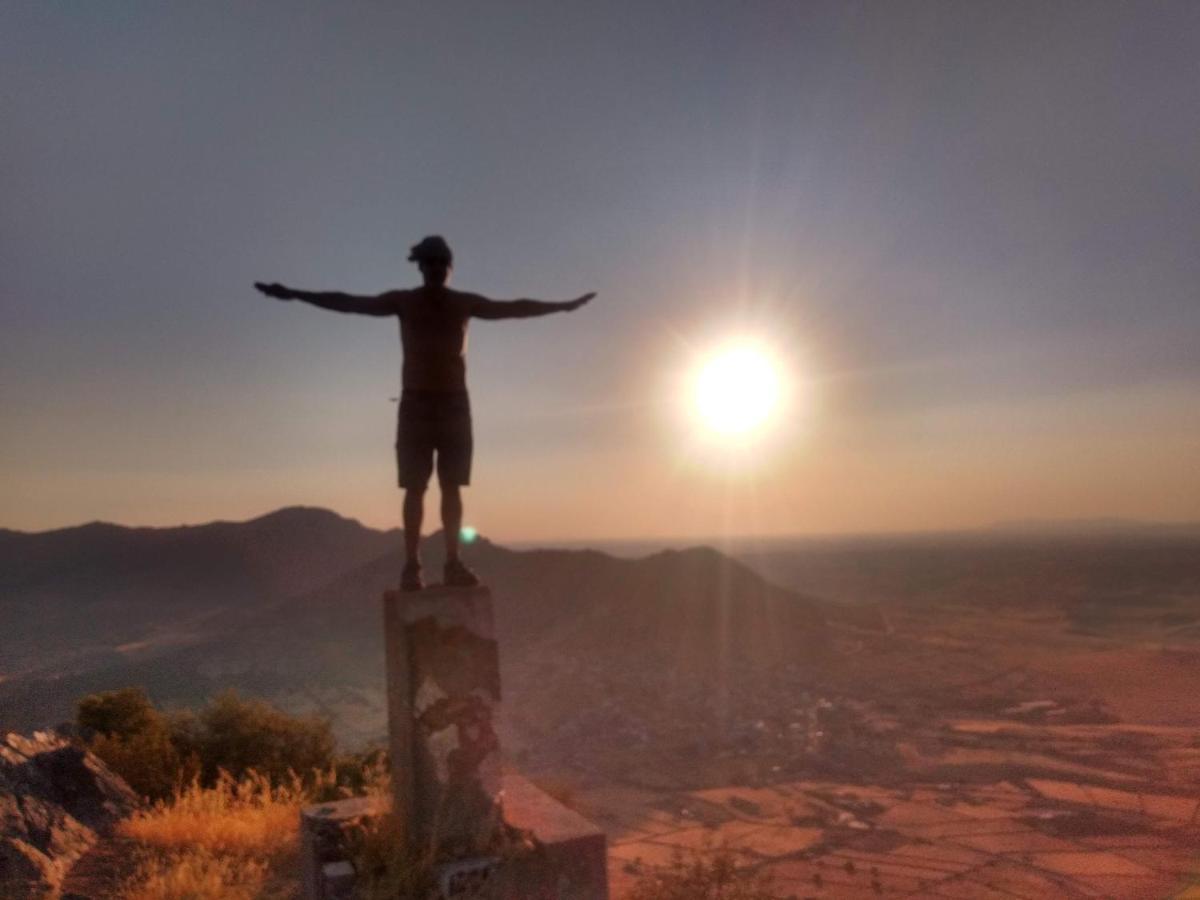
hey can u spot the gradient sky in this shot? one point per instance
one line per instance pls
(970, 229)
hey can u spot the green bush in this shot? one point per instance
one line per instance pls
(136, 741)
(357, 774)
(148, 761)
(122, 713)
(156, 752)
(236, 735)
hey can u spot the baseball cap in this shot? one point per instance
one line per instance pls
(431, 248)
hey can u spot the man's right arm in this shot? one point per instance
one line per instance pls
(381, 305)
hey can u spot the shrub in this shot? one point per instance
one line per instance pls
(148, 761)
(123, 713)
(238, 735)
(136, 741)
(703, 876)
(158, 753)
(365, 772)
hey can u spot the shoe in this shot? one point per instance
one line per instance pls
(456, 574)
(410, 577)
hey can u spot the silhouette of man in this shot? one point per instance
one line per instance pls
(435, 412)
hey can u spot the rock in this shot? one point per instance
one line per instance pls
(339, 880)
(324, 834)
(56, 799)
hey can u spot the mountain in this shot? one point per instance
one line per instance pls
(1100, 527)
(287, 607)
(68, 594)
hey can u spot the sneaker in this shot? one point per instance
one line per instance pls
(456, 574)
(410, 578)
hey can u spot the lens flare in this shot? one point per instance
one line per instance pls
(737, 390)
(467, 534)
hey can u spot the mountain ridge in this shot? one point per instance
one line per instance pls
(314, 640)
(112, 582)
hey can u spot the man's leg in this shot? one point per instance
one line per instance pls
(414, 463)
(414, 513)
(452, 516)
(454, 470)
(456, 573)
(414, 508)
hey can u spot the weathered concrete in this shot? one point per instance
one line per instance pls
(323, 831)
(569, 861)
(339, 880)
(491, 836)
(562, 855)
(443, 675)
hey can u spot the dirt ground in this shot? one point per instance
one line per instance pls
(991, 755)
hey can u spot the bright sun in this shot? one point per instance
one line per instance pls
(737, 390)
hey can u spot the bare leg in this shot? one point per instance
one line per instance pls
(452, 516)
(414, 512)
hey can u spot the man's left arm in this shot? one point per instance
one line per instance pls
(484, 308)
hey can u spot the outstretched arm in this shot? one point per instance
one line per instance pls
(483, 308)
(381, 305)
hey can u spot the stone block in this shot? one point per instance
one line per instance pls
(323, 828)
(443, 673)
(570, 857)
(467, 877)
(338, 880)
(567, 860)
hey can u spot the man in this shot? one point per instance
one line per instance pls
(435, 412)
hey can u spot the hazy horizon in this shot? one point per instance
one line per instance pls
(967, 233)
(1100, 526)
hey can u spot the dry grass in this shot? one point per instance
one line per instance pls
(385, 869)
(246, 818)
(237, 839)
(198, 875)
(709, 875)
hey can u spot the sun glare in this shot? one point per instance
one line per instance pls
(737, 390)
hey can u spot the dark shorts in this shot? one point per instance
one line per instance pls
(434, 422)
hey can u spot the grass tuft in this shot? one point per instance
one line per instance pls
(242, 818)
(197, 875)
(709, 875)
(236, 839)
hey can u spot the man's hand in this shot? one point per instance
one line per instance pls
(276, 290)
(573, 305)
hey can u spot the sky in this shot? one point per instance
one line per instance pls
(966, 232)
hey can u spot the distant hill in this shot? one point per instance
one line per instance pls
(1100, 527)
(73, 592)
(287, 606)
(988, 569)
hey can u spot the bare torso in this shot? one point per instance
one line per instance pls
(433, 334)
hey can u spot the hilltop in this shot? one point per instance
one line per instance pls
(72, 596)
(981, 711)
(286, 606)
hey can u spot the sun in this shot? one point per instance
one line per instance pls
(737, 390)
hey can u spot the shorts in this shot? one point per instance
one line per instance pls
(434, 422)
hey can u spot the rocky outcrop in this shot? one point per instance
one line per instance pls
(56, 799)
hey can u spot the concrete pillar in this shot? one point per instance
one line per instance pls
(443, 681)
